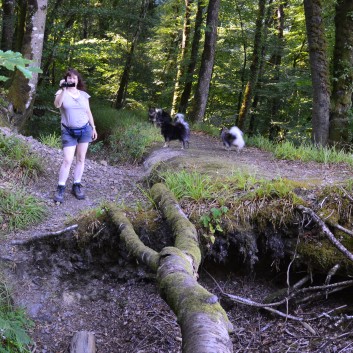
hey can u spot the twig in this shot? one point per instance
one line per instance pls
(331, 273)
(268, 307)
(326, 231)
(349, 197)
(339, 227)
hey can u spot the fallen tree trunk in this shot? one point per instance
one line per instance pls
(204, 324)
(83, 342)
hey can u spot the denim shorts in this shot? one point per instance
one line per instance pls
(68, 139)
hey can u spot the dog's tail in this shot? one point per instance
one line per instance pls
(180, 119)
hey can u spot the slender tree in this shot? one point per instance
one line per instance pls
(184, 46)
(254, 67)
(124, 80)
(341, 99)
(319, 70)
(185, 96)
(207, 62)
(8, 24)
(22, 90)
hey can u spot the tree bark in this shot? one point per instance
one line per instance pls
(8, 24)
(254, 67)
(83, 342)
(319, 71)
(185, 96)
(341, 98)
(184, 46)
(207, 62)
(22, 90)
(203, 322)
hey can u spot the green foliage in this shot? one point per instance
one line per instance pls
(130, 137)
(16, 155)
(212, 220)
(207, 128)
(14, 60)
(51, 140)
(13, 325)
(19, 210)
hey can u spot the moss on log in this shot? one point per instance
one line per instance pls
(131, 240)
(204, 324)
(185, 233)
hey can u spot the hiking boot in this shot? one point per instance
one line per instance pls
(59, 195)
(77, 191)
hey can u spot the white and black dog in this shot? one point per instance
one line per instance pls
(157, 115)
(232, 137)
(179, 130)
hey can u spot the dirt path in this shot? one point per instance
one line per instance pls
(121, 304)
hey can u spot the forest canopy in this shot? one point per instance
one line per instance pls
(279, 69)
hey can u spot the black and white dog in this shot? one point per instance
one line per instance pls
(179, 130)
(232, 137)
(157, 116)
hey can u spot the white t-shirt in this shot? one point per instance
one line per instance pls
(73, 110)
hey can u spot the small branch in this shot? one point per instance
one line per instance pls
(326, 231)
(44, 235)
(349, 197)
(339, 227)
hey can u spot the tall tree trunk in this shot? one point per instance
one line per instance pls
(8, 24)
(22, 90)
(341, 99)
(183, 52)
(185, 96)
(268, 23)
(245, 55)
(207, 62)
(124, 81)
(319, 71)
(254, 67)
(20, 26)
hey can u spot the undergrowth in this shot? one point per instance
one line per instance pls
(18, 210)
(16, 157)
(13, 325)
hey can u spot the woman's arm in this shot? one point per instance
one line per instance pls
(91, 121)
(59, 97)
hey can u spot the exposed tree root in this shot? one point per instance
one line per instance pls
(326, 231)
(204, 324)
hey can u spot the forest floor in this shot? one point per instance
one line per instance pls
(122, 306)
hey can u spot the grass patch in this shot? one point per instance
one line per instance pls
(305, 152)
(206, 128)
(193, 186)
(51, 140)
(16, 156)
(13, 325)
(131, 135)
(18, 210)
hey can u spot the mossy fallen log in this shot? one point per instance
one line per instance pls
(204, 324)
(185, 233)
(132, 242)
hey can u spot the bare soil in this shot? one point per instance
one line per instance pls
(119, 302)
